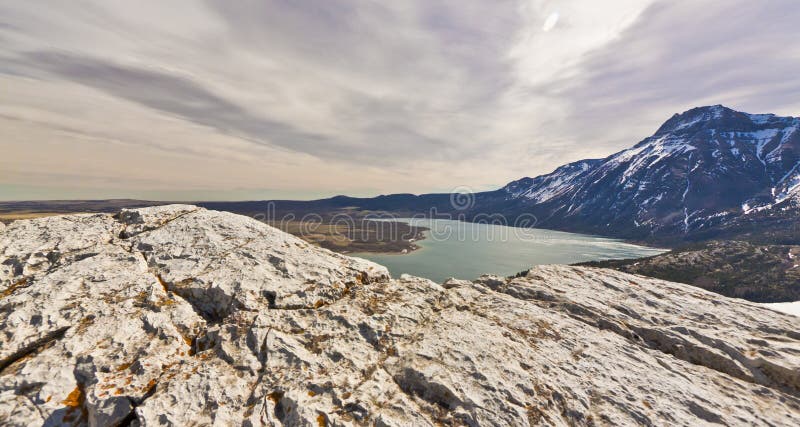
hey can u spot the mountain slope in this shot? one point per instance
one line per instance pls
(759, 273)
(180, 316)
(700, 169)
(710, 172)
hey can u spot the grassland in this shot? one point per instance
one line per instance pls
(759, 273)
(9, 217)
(358, 236)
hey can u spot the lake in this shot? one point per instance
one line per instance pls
(466, 250)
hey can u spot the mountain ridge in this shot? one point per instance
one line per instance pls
(707, 173)
(699, 166)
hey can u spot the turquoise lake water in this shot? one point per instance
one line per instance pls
(467, 250)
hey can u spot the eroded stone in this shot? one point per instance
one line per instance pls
(177, 315)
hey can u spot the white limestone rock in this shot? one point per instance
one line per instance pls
(177, 315)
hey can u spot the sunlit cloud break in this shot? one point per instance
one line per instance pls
(550, 22)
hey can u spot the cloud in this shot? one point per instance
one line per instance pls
(180, 97)
(679, 55)
(550, 22)
(359, 96)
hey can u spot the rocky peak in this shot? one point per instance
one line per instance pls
(177, 315)
(702, 169)
(705, 118)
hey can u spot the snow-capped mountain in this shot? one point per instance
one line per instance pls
(701, 168)
(710, 172)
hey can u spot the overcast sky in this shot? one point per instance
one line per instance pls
(247, 99)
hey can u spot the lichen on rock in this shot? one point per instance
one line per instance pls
(177, 315)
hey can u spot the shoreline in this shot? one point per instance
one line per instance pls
(411, 248)
(403, 247)
(637, 243)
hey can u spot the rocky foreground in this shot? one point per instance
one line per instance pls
(181, 316)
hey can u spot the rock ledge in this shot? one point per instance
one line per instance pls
(176, 315)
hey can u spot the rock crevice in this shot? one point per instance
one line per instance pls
(177, 315)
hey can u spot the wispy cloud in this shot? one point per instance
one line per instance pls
(679, 55)
(363, 96)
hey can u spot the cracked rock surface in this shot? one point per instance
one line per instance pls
(176, 315)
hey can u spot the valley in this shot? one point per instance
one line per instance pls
(720, 187)
(422, 213)
(464, 250)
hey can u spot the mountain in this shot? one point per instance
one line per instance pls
(176, 315)
(705, 167)
(710, 172)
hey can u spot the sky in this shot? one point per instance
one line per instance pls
(232, 100)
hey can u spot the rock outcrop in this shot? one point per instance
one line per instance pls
(181, 316)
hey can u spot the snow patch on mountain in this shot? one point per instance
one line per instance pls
(699, 167)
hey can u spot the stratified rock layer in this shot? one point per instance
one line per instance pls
(180, 316)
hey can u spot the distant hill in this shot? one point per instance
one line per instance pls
(710, 172)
